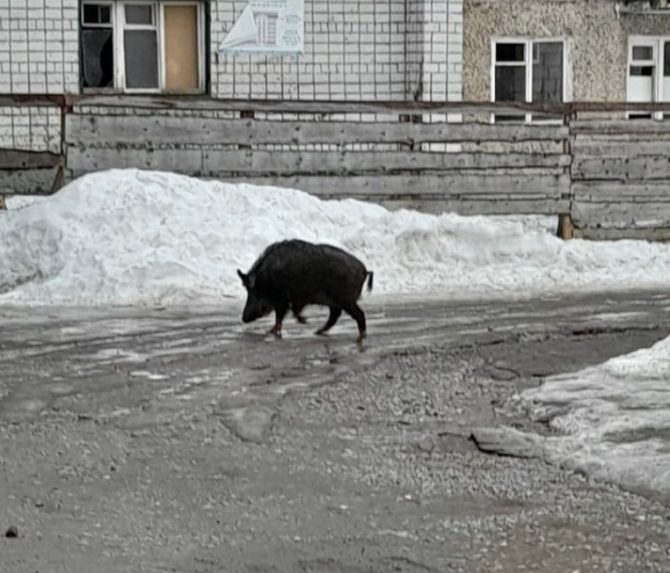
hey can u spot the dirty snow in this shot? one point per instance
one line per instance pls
(613, 419)
(127, 237)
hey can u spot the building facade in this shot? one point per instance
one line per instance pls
(566, 50)
(351, 50)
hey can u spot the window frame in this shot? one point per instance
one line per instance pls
(110, 3)
(119, 32)
(527, 64)
(110, 26)
(119, 26)
(657, 44)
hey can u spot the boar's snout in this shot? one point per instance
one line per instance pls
(255, 308)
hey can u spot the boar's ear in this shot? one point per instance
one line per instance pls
(245, 278)
(251, 280)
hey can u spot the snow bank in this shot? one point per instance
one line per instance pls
(615, 419)
(141, 237)
(15, 202)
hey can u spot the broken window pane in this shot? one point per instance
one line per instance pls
(97, 52)
(141, 57)
(666, 59)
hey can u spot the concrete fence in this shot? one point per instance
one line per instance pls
(584, 161)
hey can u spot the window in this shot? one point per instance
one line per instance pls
(648, 73)
(529, 71)
(141, 46)
(97, 46)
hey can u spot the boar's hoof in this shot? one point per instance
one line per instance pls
(301, 319)
(276, 330)
(361, 336)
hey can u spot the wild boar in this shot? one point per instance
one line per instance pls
(295, 273)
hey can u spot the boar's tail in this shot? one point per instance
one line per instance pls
(371, 277)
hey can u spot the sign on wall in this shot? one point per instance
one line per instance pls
(268, 26)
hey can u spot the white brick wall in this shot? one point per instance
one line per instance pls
(354, 50)
(34, 128)
(455, 50)
(39, 46)
(435, 50)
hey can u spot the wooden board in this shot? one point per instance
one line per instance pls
(615, 148)
(470, 207)
(17, 159)
(593, 233)
(221, 162)
(621, 215)
(615, 191)
(278, 105)
(620, 126)
(401, 107)
(187, 161)
(218, 162)
(27, 181)
(621, 168)
(363, 162)
(180, 25)
(420, 187)
(91, 129)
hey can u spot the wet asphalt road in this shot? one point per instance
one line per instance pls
(182, 440)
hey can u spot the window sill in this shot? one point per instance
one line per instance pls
(100, 91)
(117, 92)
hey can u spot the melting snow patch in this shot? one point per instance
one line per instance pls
(148, 375)
(128, 237)
(615, 419)
(107, 355)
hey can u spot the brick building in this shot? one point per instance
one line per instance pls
(352, 50)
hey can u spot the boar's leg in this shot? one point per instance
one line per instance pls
(359, 316)
(335, 313)
(281, 309)
(297, 310)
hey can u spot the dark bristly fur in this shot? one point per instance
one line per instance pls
(293, 274)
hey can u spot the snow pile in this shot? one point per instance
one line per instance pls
(15, 202)
(615, 419)
(142, 237)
